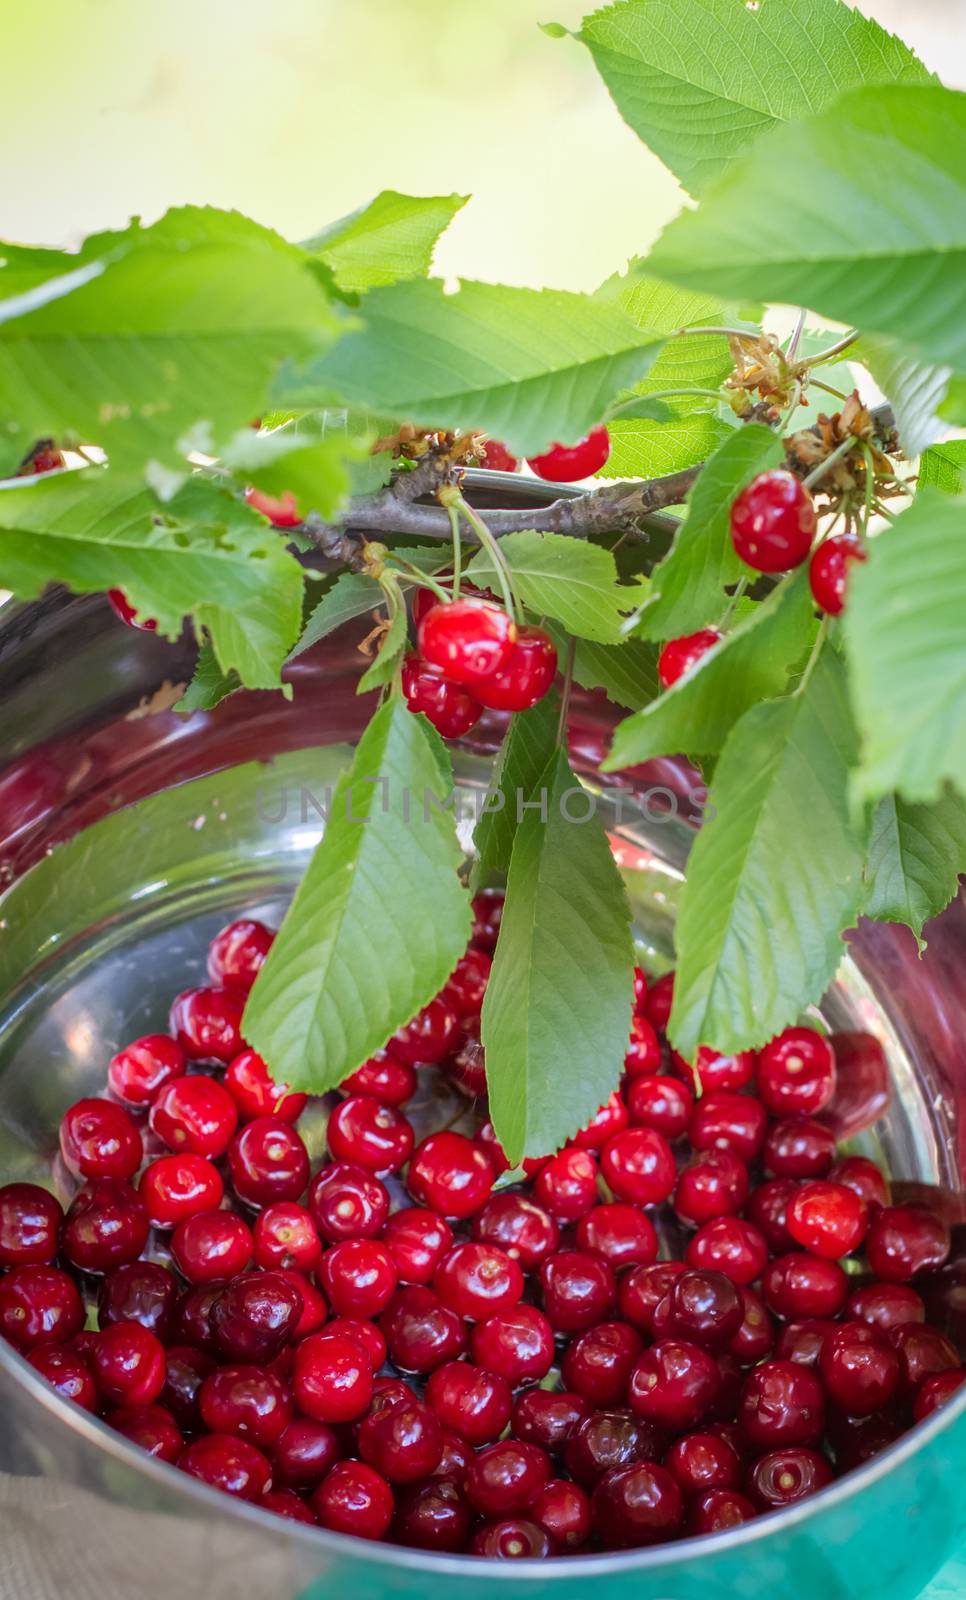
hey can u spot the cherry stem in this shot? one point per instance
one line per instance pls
(820, 638)
(495, 554)
(736, 595)
(454, 522)
(839, 394)
(421, 579)
(824, 466)
(833, 349)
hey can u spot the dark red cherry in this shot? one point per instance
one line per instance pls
(563, 463)
(30, 1220)
(470, 1401)
(886, 1305)
(547, 1417)
(449, 1174)
(674, 1385)
(578, 1290)
(637, 1505)
(732, 1246)
(256, 1094)
(598, 1364)
(527, 675)
(207, 1023)
(608, 1439)
(237, 954)
(787, 1475)
(512, 1539)
(67, 1373)
(719, 1509)
(504, 1478)
(905, 1240)
(514, 1222)
(193, 1325)
(755, 1338)
(466, 986)
(140, 1071)
(347, 1202)
(185, 1371)
(679, 656)
(859, 1367)
(923, 1351)
(384, 1078)
(429, 1036)
(724, 1120)
(305, 1453)
(39, 1305)
(657, 1004)
(126, 613)
(703, 1307)
(862, 1175)
(143, 1292)
(420, 1331)
(99, 1139)
(268, 1162)
(767, 1210)
(402, 1440)
(641, 1291)
(433, 1516)
(799, 1147)
(106, 1226)
(562, 1509)
(703, 1461)
(487, 916)
(151, 1428)
(567, 1185)
(232, 1465)
(828, 571)
(773, 522)
(246, 1400)
(782, 1403)
(129, 1364)
(622, 1234)
(803, 1341)
(255, 1316)
(455, 1461)
(796, 1073)
(356, 1499)
(286, 1503)
(799, 1286)
(714, 1184)
(936, 1390)
(516, 1344)
(468, 640)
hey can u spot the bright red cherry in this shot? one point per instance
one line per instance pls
(514, 1222)
(643, 1055)
(359, 1277)
(384, 1078)
(67, 1373)
(366, 1334)
(451, 709)
(828, 1219)
(859, 1367)
(429, 1036)
(224, 1462)
(637, 1505)
(305, 1453)
(469, 1400)
(175, 1187)
(256, 1094)
(207, 1023)
(194, 1114)
(468, 640)
(782, 1403)
(478, 1280)
(39, 1305)
(281, 510)
(286, 1236)
(254, 1317)
(622, 1234)
(862, 1175)
(30, 1220)
(905, 1240)
(599, 1362)
(715, 1071)
(99, 1139)
(496, 457)
(564, 463)
(796, 1073)
(402, 1440)
(643, 1288)
(355, 1499)
(732, 1246)
(467, 983)
(129, 1364)
(246, 1400)
(314, 1308)
(213, 1246)
(504, 1478)
(714, 1184)
(347, 1202)
(140, 1291)
(767, 1209)
(799, 1286)
(516, 1345)
(106, 1226)
(674, 1385)
(527, 675)
(562, 1509)
(612, 1118)
(785, 1476)
(237, 954)
(268, 1162)
(828, 571)
(567, 1186)
(799, 1147)
(723, 1120)
(123, 609)
(703, 1461)
(656, 1006)
(140, 1071)
(773, 522)
(664, 1104)
(332, 1378)
(679, 656)
(373, 1136)
(421, 1332)
(417, 1240)
(639, 1166)
(450, 1174)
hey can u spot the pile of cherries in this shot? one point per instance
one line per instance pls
(472, 656)
(413, 1343)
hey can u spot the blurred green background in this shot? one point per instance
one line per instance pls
(297, 111)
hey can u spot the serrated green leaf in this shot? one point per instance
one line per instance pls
(916, 854)
(700, 80)
(752, 663)
(351, 595)
(527, 366)
(390, 650)
(528, 746)
(774, 877)
(558, 991)
(391, 238)
(569, 579)
(203, 553)
(895, 260)
(656, 449)
(626, 672)
(914, 389)
(379, 920)
(943, 466)
(209, 685)
(907, 652)
(170, 340)
(688, 586)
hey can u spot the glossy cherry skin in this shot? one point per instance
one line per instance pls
(578, 1290)
(718, 1509)
(732, 1246)
(868, 1180)
(141, 1291)
(449, 1174)
(703, 1461)
(715, 1071)
(194, 1114)
(455, 1461)
(67, 1373)
(782, 1403)
(828, 1219)
(384, 1078)
(923, 1352)
(366, 1334)
(106, 1227)
(608, 1439)
(268, 1162)
(429, 1036)
(421, 1333)
(797, 1286)
(402, 1440)
(674, 1385)
(30, 1221)
(470, 1401)
(828, 571)
(714, 1184)
(621, 1234)
(905, 1240)
(256, 1094)
(767, 1210)
(129, 1364)
(281, 510)
(286, 1503)
(346, 1202)
(657, 1003)
(679, 656)
(637, 1505)
(512, 1539)
(639, 1166)
(125, 612)
(466, 985)
(701, 1306)
(305, 1453)
(644, 1055)
(246, 1400)
(612, 1118)
(359, 1277)
(517, 1225)
(468, 640)
(417, 1240)
(212, 1246)
(237, 954)
(755, 1338)
(598, 1364)
(450, 707)
(724, 1120)
(207, 1023)
(641, 1291)
(516, 1345)
(478, 1280)
(487, 916)
(567, 1185)
(562, 1509)
(193, 1326)
(175, 1187)
(99, 1139)
(803, 1341)
(466, 1066)
(773, 522)
(255, 1316)
(527, 675)
(185, 1371)
(433, 1516)
(796, 1073)
(376, 1137)
(664, 1104)
(332, 1378)
(886, 1305)
(140, 1071)
(504, 1478)
(285, 1236)
(785, 1476)
(799, 1147)
(936, 1390)
(547, 1417)
(232, 1465)
(563, 463)
(859, 1367)
(151, 1428)
(356, 1499)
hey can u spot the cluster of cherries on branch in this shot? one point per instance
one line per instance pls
(647, 1334)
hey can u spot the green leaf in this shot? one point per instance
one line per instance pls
(943, 466)
(687, 587)
(752, 663)
(209, 685)
(700, 80)
(916, 854)
(528, 366)
(204, 553)
(169, 341)
(858, 212)
(379, 920)
(393, 237)
(554, 1022)
(626, 672)
(774, 877)
(915, 390)
(656, 449)
(351, 595)
(569, 579)
(953, 408)
(301, 457)
(904, 625)
(384, 666)
(528, 746)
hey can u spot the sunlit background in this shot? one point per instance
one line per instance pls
(297, 111)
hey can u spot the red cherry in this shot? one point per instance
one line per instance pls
(512, 1539)
(642, 1290)
(719, 1509)
(107, 1225)
(803, 1341)
(828, 1219)
(714, 1184)
(562, 1509)
(799, 1147)
(886, 1305)
(674, 1384)
(800, 1286)
(466, 986)
(859, 1367)
(451, 709)
(527, 675)
(100, 1140)
(366, 1335)
(232, 1465)
(255, 1316)
(598, 1364)
(207, 1023)
(347, 1202)
(767, 1209)
(478, 1281)
(175, 1187)
(256, 1094)
(67, 1373)
(936, 1391)
(469, 640)
(703, 1461)
(305, 1453)
(715, 1071)
(355, 1499)
(359, 1277)
(417, 1240)
(785, 1476)
(185, 1371)
(237, 954)
(384, 1078)
(286, 1236)
(621, 1234)
(449, 1174)
(332, 1378)
(608, 1439)
(470, 1401)
(514, 1222)
(563, 463)
(796, 1073)
(123, 609)
(643, 1055)
(487, 915)
(732, 1246)
(782, 1403)
(679, 656)
(516, 1344)
(637, 1505)
(433, 1516)
(639, 1166)
(828, 571)
(268, 1162)
(905, 1240)
(567, 1186)
(421, 1332)
(141, 1291)
(773, 522)
(286, 1503)
(496, 457)
(664, 1104)
(504, 1478)
(658, 1001)
(30, 1220)
(373, 1136)
(39, 1305)
(246, 1400)
(578, 1290)
(129, 1364)
(194, 1114)
(923, 1351)
(704, 1307)
(314, 1308)
(867, 1180)
(141, 1070)
(723, 1120)
(212, 1246)
(755, 1338)
(402, 1440)
(547, 1417)
(282, 511)
(193, 1323)
(429, 1036)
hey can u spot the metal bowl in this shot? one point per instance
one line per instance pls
(128, 834)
